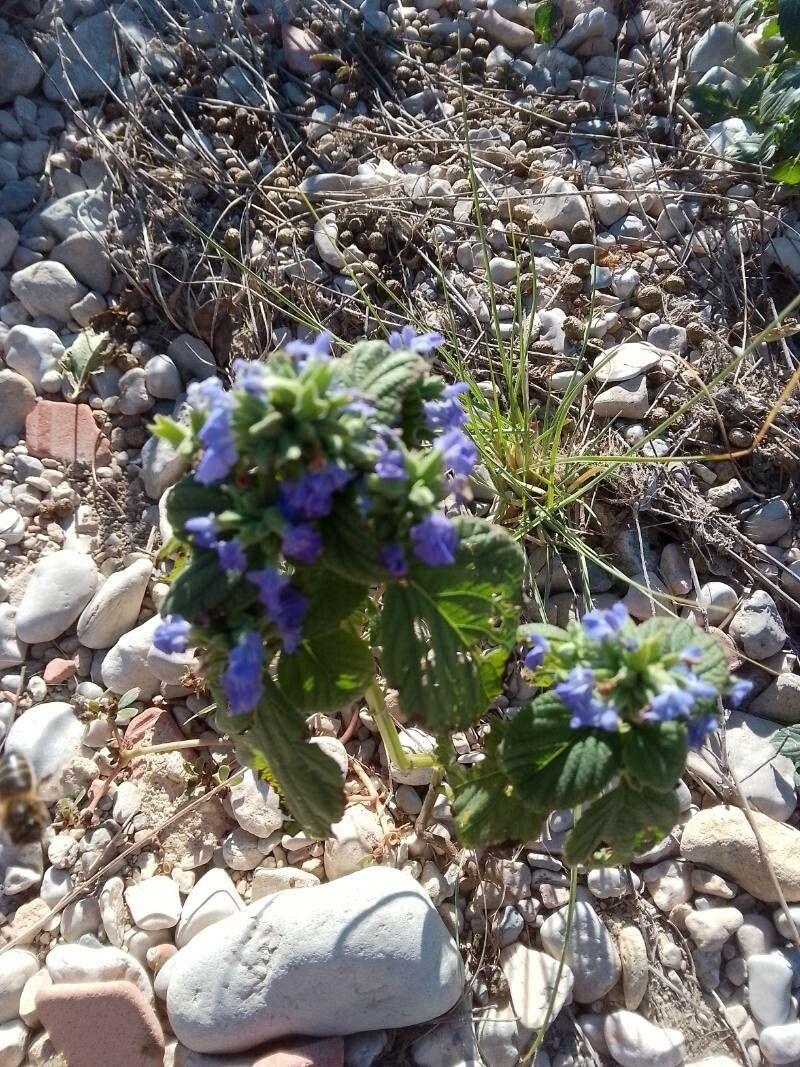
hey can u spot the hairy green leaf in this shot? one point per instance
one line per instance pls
(677, 635)
(198, 589)
(708, 101)
(544, 21)
(308, 779)
(789, 22)
(82, 357)
(384, 373)
(541, 629)
(436, 624)
(654, 754)
(327, 672)
(570, 776)
(350, 549)
(781, 95)
(787, 742)
(486, 808)
(628, 820)
(331, 598)
(188, 498)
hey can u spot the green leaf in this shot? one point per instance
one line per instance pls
(708, 101)
(788, 171)
(129, 697)
(789, 22)
(676, 635)
(541, 629)
(567, 776)
(628, 820)
(544, 22)
(787, 742)
(308, 780)
(82, 357)
(654, 754)
(188, 498)
(435, 625)
(327, 672)
(385, 374)
(350, 549)
(331, 599)
(198, 589)
(780, 96)
(486, 808)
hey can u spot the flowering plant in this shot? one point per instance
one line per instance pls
(621, 706)
(316, 548)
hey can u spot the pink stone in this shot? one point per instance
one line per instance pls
(155, 722)
(298, 47)
(58, 671)
(59, 430)
(97, 1024)
(328, 1052)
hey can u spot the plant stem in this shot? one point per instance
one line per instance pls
(530, 1055)
(403, 760)
(424, 816)
(127, 754)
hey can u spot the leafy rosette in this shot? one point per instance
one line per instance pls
(316, 501)
(609, 735)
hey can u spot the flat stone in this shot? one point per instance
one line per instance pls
(531, 978)
(757, 626)
(125, 664)
(781, 1044)
(299, 47)
(710, 929)
(114, 608)
(58, 430)
(633, 1041)
(625, 361)
(721, 838)
(298, 963)
(768, 521)
(88, 62)
(86, 259)
(79, 964)
(17, 965)
(591, 953)
(780, 700)
(504, 31)
(12, 650)
(59, 588)
(48, 736)
(19, 68)
(624, 400)
(32, 351)
(83, 211)
(560, 206)
(98, 1023)
(721, 46)
(162, 466)
(19, 399)
(280, 879)
(352, 841)
(766, 776)
(13, 1039)
(213, 897)
(192, 357)
(635, 966)
(769, 986)
(47, 288)
(154, 903)
(255, 805)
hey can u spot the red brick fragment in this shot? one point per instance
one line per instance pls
(56, 429)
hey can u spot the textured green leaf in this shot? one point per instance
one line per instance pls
(435, 626)
(572, 775)
(655, 754)
(708, 101)
(350, 549)
(787, 742)
(542, 629)
(676, 635)
(781, 95)
(544, 21)
(788, 172)
(789, 22)
(537, 733)
(308, 780)
(628, 820)
(198, 589)
(331, 599)
(188, 498)
(82, 357)
(384, 373)
(486, 808)
(327, 672)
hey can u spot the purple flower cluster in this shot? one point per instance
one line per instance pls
(231, 554)
(423, 344)
(250, 377)
(603, 623)
(284, 605)
(434, 540)
(241, 680)
(172, 635)
(534, 657)
(446, 413)
(577, 695)
(301, 542)
(303, 351)
(311, 495)
(216, 434)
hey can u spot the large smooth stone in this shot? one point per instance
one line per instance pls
(60, 587)
(365, 952)
(633, 1041)
(114, 608)
(721, 838)
(125, 665)
(591, 953)
(48, 735)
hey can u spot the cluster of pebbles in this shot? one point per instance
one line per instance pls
(428, 156)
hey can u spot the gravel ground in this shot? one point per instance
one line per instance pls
(200, 181)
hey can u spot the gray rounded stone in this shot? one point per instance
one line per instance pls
(369, 948)
(47, 288)
(114, 608)
(591, 953)
(770, 988)
(20, 70)
(18, 401)
(757, 627)
(61, 586)
(48, 736)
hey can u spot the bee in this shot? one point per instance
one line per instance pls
(23, 816)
